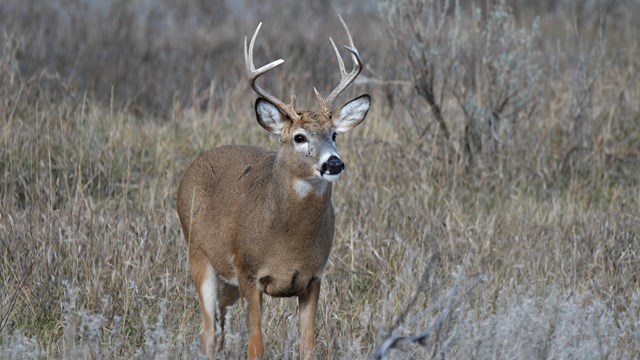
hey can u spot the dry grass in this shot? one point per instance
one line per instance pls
(531, 251)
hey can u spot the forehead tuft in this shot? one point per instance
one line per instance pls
(314, 120)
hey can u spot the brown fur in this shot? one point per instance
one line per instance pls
(232, 206)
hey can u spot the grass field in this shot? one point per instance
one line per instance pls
(490, 207)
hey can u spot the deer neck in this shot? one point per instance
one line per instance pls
(295, 193)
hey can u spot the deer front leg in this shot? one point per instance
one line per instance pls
(307, 305)
(253, 296)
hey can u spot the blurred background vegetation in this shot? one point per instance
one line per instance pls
(491, 204)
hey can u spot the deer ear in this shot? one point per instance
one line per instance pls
(352, 113)
(269, 117)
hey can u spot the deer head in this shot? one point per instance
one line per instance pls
(310, 136)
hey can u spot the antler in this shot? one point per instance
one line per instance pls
(346, 78)
(253, 75)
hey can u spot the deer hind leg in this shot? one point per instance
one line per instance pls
(206, 282)
(227, 295)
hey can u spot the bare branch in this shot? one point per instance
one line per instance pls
(451, 298)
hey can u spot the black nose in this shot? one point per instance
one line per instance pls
(333, 166)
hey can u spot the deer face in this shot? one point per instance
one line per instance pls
(308, 137)
(309, 142)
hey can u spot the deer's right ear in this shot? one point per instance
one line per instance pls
(269, 117)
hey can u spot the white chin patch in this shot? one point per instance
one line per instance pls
(305, 187)
(331, 178)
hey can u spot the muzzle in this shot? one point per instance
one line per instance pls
(333, 166)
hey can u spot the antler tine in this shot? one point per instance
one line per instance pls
(343, 71)
(352, 47)
(345, 78)
(253, 74)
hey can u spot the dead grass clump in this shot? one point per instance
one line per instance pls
(529, 251)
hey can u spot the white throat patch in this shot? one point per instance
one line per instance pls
(304, 187)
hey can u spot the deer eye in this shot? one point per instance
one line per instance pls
(334, 136)
(299, 139)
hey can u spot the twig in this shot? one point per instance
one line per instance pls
(435, 258)
(376, 81)
(23, 279)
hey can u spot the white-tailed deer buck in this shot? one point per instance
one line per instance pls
(259, 221)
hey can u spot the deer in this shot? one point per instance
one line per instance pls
(261, 221)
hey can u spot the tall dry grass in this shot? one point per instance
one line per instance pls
(530, 250)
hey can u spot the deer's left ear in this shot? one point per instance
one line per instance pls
(352, 113)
